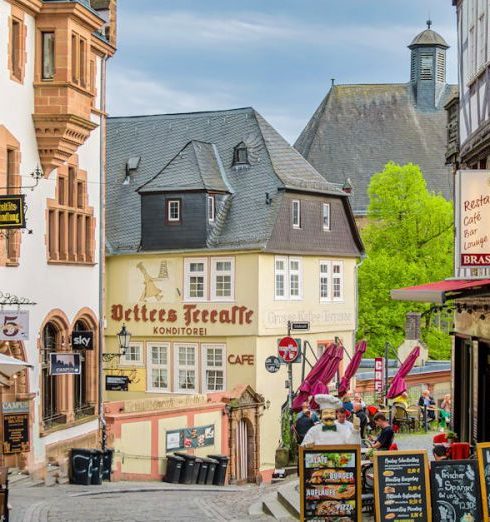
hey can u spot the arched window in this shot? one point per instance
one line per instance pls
(240, 154)
(51, 413)
(81, 404)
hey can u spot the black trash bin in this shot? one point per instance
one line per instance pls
(187, 474)
(220, 471)
(203, 470)
(81, 464)
(212, 465)
(97, 467)
(174, 469)
(107, 464)
(197, 467)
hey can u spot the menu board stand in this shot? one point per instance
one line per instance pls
(483, 454)
(401, 486)
(330, 483)
(455, 491)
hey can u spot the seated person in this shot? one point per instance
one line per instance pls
(385, 438)
(427, 400)
(401, 400)
(439, 452)
(305, 407)
(303, 423)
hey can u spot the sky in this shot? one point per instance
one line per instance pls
(278, 56)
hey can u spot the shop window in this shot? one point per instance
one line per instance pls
(157, 368)
(195, 279)
(71, 222)
(296, 213)
(48, 57)
(81, 404)
(337, 281)
(133, 355)
(326, 216)
(173, 212)
(185, 368)
(325, 267)
(51, 415)
(222, 279)
(213, 367)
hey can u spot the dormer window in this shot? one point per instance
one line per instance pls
(173, 211)
(240, 154)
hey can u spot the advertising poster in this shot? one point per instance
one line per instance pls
(455, 491)
(64, 363)
(116, 383)
(82, 340)
(401, 486)
(330, 483)
(16, 433)
(14, 325)
(188, 438)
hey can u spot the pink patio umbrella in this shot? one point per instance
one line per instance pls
(398, 384)
(352, 367)
(320, 375)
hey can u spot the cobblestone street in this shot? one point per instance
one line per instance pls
(150, 501)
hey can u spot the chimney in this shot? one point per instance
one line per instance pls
(412, 326)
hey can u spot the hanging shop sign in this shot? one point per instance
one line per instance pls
(455, 490)
(188, 438)
(82, 339)
(473, 217)
(12, 211)
(10, 408)
(288, 349)
(483, 453)
(14, 325)
(401, 486)
(116, 383)
(64, 363)
(379, 384)
(16, 433)
(272, 364)
(330, 483)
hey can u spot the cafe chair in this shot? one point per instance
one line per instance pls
(402, 419)
(459, 451)
(393, 447)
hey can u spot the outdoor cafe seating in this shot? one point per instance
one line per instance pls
(455, 450)
(402, 418)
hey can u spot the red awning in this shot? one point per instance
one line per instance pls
(439, 291)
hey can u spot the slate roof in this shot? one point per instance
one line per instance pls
(429, 37)
(357, 129)
(208, 140)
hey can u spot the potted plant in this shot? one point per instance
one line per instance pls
(451, 437)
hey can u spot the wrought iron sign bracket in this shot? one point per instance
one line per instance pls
(7, 299)
(110, 356)
(36, 175)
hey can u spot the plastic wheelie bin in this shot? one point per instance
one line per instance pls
(174, 469)
(97, 467)
(187, 474)
(203, 470)
(107, 464)
(212, 465)
(81, 464)
(197, 467)
(220, 471)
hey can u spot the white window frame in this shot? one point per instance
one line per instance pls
(204, 365)
(299, 273)
(215, 273)
(326, 207)
(150, 366)
(328, 277)
(171, 219)
(123, 361)
(339, 276)
(296, 203)
(177, 367)
(188, 274)
(285, 274)
(211, 209)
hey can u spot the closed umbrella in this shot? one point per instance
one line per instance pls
(305, 390)
(328, 373)
(352, 367)
(398, 384)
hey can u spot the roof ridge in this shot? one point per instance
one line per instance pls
(183, 114)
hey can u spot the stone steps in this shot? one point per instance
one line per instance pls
(281, 505)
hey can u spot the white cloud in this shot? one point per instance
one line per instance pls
(133, 92)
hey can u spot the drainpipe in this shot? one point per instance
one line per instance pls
(102, 422)
(356, 296)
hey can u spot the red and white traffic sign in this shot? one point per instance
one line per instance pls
(288, 349)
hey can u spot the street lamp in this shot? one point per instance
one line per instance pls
(124, 337)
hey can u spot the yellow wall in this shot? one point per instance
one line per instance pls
(133, 449)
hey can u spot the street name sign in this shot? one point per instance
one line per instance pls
(300, 325)
(288, 349)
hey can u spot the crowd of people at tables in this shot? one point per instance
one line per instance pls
(371, 418)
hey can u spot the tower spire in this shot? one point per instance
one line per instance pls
(429, 23)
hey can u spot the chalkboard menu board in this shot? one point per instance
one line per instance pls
(330, 483)
(16, 433)
(455, 491)
(483, 452)
(401, 486)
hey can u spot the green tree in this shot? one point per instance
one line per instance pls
(409, 241)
